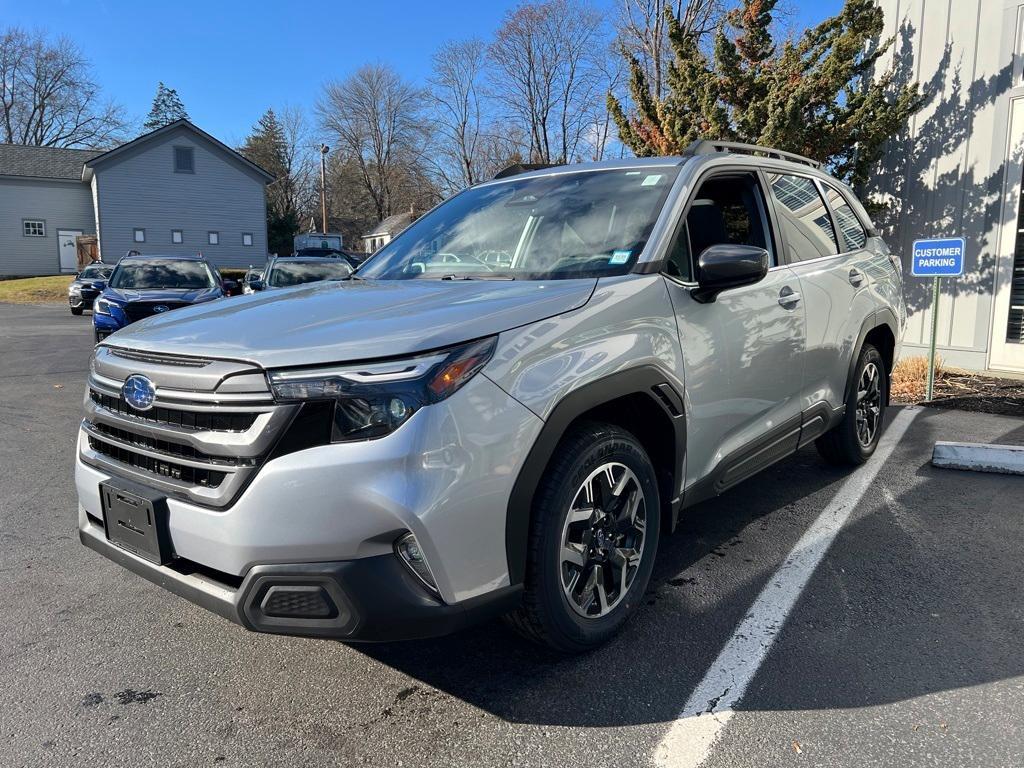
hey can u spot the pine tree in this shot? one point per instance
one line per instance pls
(167, 108)
(818, 95)
(267, 146)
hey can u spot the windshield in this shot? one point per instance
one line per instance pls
(163, 273)
(585, 224)
(94, 273)
(298, 272)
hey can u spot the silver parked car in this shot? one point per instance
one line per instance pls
(452, 435)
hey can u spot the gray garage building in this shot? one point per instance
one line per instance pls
(959, 172)
(174, 190)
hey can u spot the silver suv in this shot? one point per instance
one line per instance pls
(504, 409)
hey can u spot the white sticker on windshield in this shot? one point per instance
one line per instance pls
(620, 257)
(650, 181)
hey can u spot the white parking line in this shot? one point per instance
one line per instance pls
(692, 736)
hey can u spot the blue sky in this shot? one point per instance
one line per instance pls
(229, 61)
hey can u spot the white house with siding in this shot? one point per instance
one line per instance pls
(174, 190)
(958, 171)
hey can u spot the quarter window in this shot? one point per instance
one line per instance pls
(803, 217)
(184, 160)
(177, 237)
(213, 238)
(33, 228)
(139, 235)
(850, 229)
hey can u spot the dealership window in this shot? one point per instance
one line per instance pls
(213, 238)
(184, 160)
(803, 217)
(177, 237)
(247, 238)
(33, 228)
(1015, 321)
(139, 235)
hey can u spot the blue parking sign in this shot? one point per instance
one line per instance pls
(938, 258)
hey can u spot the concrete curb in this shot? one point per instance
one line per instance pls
(979, 457)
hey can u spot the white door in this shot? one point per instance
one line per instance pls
(68, 249)
(1008, 313)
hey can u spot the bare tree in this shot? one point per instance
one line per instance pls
(375, 117)
(457, 103)
(48, 97)
(545, 73)
(643, 31)
(300, 191)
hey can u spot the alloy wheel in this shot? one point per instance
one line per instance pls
(603, 540)
(869, 404)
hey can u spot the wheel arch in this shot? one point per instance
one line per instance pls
(879, 330)
(640, 400)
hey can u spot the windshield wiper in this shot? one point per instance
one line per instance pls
(477, 277)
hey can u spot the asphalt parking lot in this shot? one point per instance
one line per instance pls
(904, 649)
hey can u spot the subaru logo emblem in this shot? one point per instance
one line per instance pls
(138, 392)
(160, 308)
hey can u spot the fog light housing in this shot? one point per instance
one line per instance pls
(408, 550)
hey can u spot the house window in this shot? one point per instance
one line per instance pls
(247, 238)
(184, 160)
(139, 235)
(33, 228)
(177, 237)
(213, 238)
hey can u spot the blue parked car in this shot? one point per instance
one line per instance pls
(141, 286)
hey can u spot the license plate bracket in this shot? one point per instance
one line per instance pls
(135, 519)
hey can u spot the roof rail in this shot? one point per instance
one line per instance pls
(707, 147)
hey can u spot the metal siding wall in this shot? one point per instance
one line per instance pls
(62, 204)
(945, 174)
(142, 190)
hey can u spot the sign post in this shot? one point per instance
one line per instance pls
(937, 259)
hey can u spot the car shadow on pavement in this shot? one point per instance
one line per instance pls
(898, 608)
(705, 578)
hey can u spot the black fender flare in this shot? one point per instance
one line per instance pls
(648, 380)
(875, 320)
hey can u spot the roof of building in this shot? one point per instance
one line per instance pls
(44, 162)
(392, 225)
(104, 157)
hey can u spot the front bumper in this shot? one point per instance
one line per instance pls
(370, 599)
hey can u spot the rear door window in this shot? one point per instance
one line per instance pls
(803, 217)
(850, 229)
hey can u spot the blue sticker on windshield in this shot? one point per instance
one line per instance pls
(620, 257)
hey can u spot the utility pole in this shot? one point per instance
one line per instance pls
(324, 149)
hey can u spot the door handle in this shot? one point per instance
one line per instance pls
(788, 298)
(856, 277)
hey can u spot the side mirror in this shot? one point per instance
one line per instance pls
(99, 285)
(257, 285)
(725, 266)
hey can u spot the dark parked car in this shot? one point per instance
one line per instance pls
(141, 286)
(328, 253)
(87, 285)
(285, 271)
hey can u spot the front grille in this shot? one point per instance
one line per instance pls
(167, 446)
(137, 310)
(155, 357)
(206, 478)
(197, 420)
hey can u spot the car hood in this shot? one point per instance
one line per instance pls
(352, 320)
(124, 295)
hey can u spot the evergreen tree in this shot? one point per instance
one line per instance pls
(267, 146)
(817, 95)
(167, 108)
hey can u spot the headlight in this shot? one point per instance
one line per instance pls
(101, 307)
(74, 288)
(370, 400)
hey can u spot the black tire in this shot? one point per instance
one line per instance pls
(844, 445)
(546, 616)
(76, 310)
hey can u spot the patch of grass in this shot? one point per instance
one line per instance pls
(36, 290)
(909, 382)
(232, 274)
